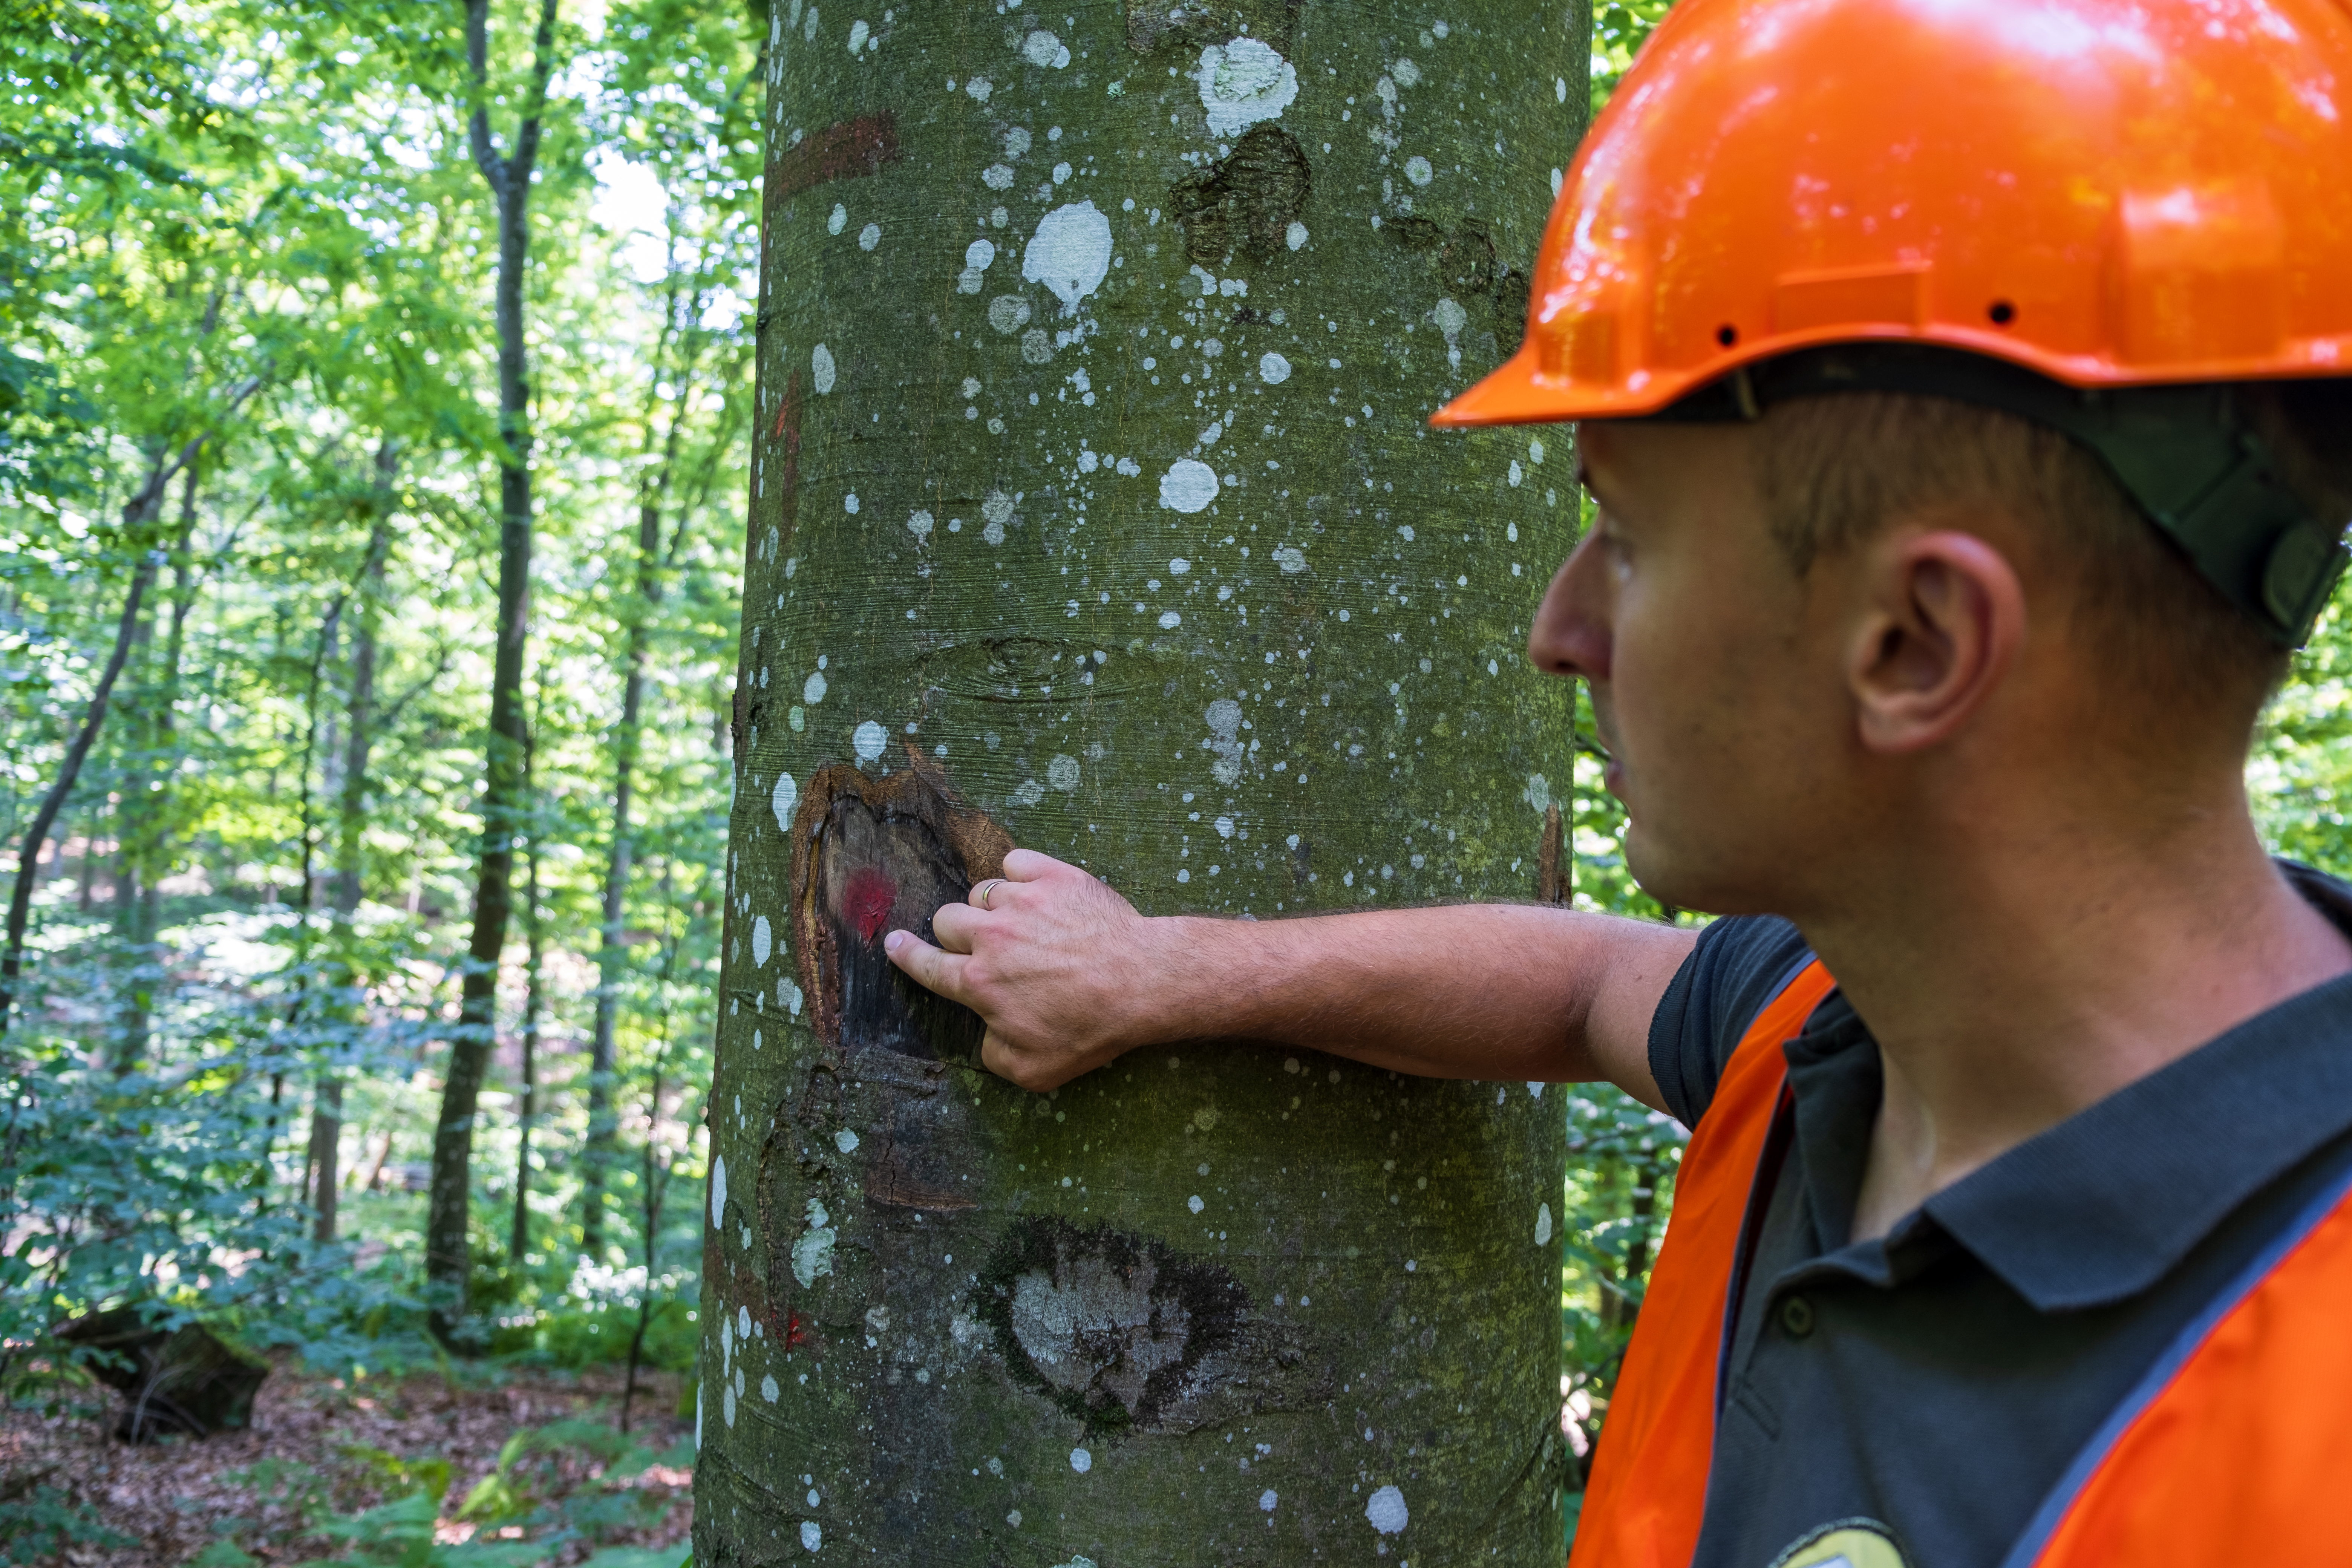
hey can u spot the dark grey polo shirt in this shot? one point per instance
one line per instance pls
(1939, 1381)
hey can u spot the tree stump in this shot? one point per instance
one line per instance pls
(180, 1380)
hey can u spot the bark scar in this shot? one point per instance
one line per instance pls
(1246, 201)
(870, 856)
(1555, 875)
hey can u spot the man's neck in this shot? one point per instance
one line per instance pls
(2013, 986)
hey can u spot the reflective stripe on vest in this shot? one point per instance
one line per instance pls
(1648, 1486)
(2235, 1447)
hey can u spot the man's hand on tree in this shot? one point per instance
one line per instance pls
(1068, 975)
(1057, 964)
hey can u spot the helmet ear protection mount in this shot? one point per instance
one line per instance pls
(2186, 455)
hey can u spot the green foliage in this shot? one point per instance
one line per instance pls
(401, 1534)
(1620, 28)
(519, 1513)
(598, 1332)
(253, 234)
(42, 1523)
(2302, 770)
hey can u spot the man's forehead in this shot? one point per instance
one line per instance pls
(1615, 454)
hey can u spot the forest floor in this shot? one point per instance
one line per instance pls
(323, 1448)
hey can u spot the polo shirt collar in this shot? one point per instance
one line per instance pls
(2104, 1205)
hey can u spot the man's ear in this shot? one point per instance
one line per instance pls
(1943, 619)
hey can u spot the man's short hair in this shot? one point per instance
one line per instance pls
(1837, 469)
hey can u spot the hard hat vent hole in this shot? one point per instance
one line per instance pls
(1726, 334)
(2002, 312)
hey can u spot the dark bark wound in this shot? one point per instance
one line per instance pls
(924, 1150)
(1464, 257)
(1122, 1331)
(1555, 877)
(872, 856)
(1246, 201)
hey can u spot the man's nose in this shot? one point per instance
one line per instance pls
(1569, 637)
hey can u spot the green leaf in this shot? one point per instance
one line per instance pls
(639, 1557)
(492, 1499)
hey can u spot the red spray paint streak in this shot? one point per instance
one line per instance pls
(845, 150)
(866, 901)
(788, 482)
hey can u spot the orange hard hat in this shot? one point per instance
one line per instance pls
(2110, 193)
(1996, 200)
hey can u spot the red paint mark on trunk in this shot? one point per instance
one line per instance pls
(845, 150)
(788, 416)
(866, 901)
(795, 1333)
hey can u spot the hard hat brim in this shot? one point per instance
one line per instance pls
(1518, 391)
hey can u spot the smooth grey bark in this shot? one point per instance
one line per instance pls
(655, 1173)
(508, 177)
(1091, 483)
(533, 1003)
(301, 1014)
(351, 792)
(527, 1111)
(153, 782)
(136, 760)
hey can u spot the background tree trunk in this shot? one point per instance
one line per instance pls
(612, 956)
(508, 177)
(351, 831)
(139, 514)
(533, 1002)
(1093, 504)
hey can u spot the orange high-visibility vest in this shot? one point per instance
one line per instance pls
(2235, 1447)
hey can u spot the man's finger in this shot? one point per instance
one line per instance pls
(999, 1057)
(953, 926)
(931, 968)
(1029, 864)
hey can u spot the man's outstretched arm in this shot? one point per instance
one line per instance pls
(1068, 976)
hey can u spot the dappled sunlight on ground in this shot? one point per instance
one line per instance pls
(321, 1448)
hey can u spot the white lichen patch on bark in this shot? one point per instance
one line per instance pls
(1243, 83)
(1070, 253)
(813, 1249)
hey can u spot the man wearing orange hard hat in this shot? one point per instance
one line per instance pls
(1963, 384)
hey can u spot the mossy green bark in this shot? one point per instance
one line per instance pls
(1092, 464)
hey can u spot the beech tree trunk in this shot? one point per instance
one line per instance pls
(1093, 508)
(351, 833)
(533, 1003)
(449, 1200)
(612, 954)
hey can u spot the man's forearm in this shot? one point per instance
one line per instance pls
(1068, 977)
(1482, 991)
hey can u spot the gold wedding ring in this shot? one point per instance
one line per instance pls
(987, 891)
